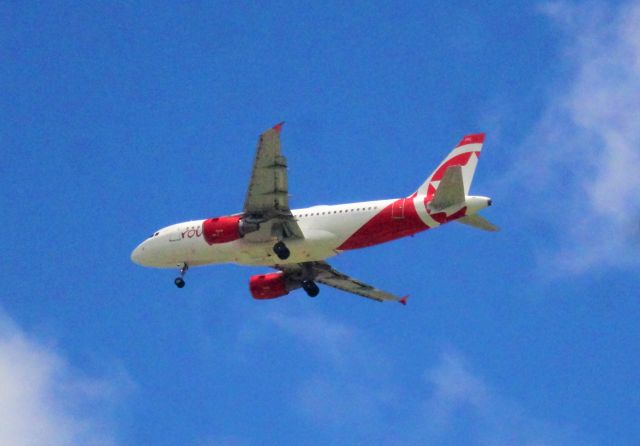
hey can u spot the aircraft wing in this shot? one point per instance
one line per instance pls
(268, 195)
(323, 273)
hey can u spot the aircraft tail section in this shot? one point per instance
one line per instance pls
(450, 191)
(465, 155)
(446, 192)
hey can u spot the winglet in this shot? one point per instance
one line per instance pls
(403, 300)
(278, 127)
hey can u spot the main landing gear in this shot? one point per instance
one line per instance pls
(281, 250)
(310, 288)
(180, 280)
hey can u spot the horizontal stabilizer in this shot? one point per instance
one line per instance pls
(450, 190)
(478, 222)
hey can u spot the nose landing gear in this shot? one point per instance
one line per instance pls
(180, 280)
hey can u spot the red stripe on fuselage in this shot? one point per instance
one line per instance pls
(383, 227)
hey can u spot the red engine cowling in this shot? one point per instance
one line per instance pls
(221, 229)
(268, 286)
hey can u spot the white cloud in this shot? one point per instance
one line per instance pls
(461, 405)
(329, 338)
(583, 157)
(356, 390)
(453, 387)
(350, 380)
(46, 402)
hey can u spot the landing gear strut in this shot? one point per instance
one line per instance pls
(281, 250)
(180, 280)
(310, 288)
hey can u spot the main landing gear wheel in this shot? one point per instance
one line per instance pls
(281, 250)
(310, 288)
(180, 280)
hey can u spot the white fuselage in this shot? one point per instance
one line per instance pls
(325, 228)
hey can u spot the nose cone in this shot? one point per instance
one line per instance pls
(137, 254)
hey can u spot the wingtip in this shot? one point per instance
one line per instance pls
(403, 300)
(278, 127)
(475, 138)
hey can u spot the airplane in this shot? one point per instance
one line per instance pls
(297, 242)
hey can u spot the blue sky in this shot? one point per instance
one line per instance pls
(119, 118)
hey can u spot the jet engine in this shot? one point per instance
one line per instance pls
(268, 286)
(226, 229)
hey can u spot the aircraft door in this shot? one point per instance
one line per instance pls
(397, 209)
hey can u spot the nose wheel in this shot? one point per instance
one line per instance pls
(281, 250)
(310, 288)
(180, 280)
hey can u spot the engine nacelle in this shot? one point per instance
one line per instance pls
(226, 229)
(221, 229)
(268, 286)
